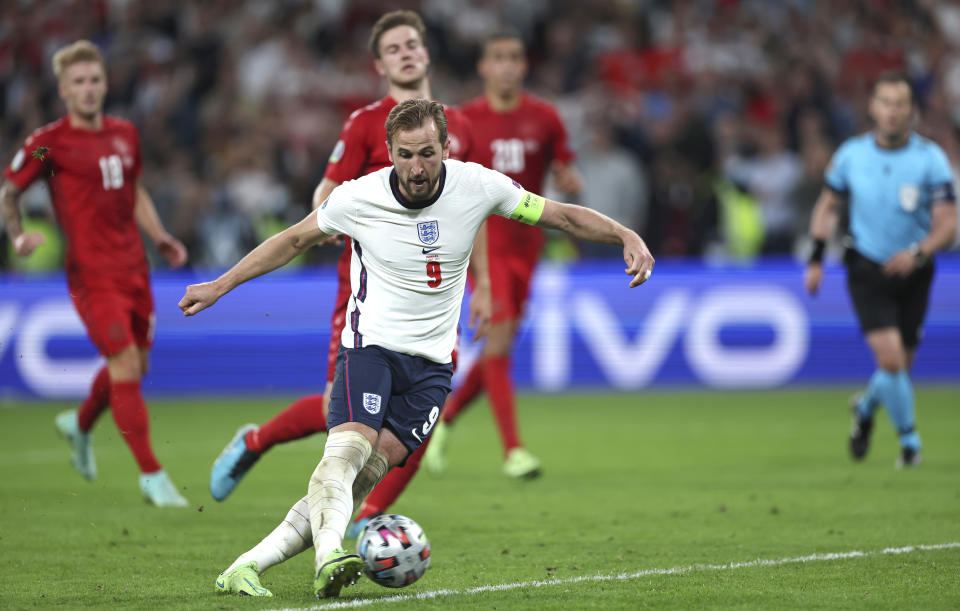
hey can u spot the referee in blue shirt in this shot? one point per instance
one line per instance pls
(902, 210)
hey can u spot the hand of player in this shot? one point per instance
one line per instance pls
(199, 297)
(172, 250)
(566, 178)
(481, 309)
(638, 259)
(812, 278)
(26, 243)
(901, 264)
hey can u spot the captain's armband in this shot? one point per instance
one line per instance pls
(529, 209)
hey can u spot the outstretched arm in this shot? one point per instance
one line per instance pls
(146, 215)
(586, 224)
(274, 252)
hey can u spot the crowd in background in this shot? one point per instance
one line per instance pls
(703, 124)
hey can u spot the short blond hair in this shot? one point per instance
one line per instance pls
(80, 51)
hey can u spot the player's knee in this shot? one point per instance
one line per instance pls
(344, 455)
(125, 365)
(499, 339)
(144, 362)
(891, 360)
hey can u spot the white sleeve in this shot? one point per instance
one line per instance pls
(503, 194)
(336, 214)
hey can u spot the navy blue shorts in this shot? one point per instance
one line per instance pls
(382, 388)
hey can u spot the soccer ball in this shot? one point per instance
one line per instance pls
(394, 549)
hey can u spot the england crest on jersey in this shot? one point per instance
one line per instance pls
(429, 232)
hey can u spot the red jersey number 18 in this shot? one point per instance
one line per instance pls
(112, 171)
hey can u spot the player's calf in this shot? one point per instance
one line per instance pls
(860, 430)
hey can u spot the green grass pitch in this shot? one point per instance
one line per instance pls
(632, 482)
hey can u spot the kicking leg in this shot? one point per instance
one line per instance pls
(288, 539)
(388, 491)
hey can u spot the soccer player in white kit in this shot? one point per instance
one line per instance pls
(413, 227)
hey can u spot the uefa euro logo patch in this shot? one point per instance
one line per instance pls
(371, 402)
(429, 232)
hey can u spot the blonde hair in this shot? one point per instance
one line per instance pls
(80, 51)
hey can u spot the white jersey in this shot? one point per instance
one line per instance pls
(409, 264)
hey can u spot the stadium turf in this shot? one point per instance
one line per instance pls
(632, 483)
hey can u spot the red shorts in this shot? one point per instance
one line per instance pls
(116, 314)
(510, 285)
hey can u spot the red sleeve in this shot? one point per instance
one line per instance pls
(29, 161)
(560, 149)
(463, 129)
(350, 154)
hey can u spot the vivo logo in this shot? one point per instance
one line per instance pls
(24, 335)
(677, 315)
(694, 318)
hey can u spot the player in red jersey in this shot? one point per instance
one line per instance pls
(523, 137)
(396, 42)
(91, 164)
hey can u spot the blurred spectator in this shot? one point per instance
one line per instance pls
(237, 101)
(771, 175)
(614, 183)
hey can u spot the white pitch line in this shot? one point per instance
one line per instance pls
(678, 570)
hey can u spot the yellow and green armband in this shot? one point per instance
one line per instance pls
(530, 208)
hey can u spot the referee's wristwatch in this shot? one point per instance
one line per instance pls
(920, 258)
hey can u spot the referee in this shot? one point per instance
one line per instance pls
(902, 210)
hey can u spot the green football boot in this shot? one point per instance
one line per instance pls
(243, 580)
(434, 457)
(339, 569)
(521, 464)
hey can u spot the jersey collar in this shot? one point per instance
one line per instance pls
(409, 205)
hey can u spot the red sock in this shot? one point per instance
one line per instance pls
(390, 488)
(303, 418)
(96, 401)
(499, 388)
(130, 414)
(467, 392)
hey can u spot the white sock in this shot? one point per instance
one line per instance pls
(288, 539)
(371, 474)
(329, 495)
